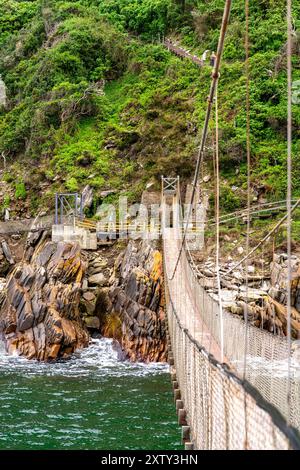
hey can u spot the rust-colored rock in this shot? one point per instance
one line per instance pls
(137, 298)
(40, 317)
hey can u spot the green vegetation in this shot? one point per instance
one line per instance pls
(20, 191)
(94, 98)
(6, 201)
(14, 16)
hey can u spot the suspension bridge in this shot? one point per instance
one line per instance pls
(235, 386)
(220, 404)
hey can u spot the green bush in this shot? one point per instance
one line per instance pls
(6, 201)
(20, 190)
(72, 185)
(93, 98)
(14, 15)
(229, 200)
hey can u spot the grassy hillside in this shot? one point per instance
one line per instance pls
(93, 97)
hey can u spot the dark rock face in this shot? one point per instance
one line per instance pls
(137, 297)
(6, 258)
(95, 283)
(279, 276)
(40, 317)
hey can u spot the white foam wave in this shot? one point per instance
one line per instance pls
(260, 367)
(100, 358)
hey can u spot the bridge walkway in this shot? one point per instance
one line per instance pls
(183, 298)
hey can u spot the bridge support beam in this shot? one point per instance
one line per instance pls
(182, 417)
(179, 405)
(171, 359)
(185, 434)
(181, 412)
(188, 446)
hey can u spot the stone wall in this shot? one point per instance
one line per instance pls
(40, 317)
(137, 297)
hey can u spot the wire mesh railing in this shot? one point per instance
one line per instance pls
(224, 411)
(267, 354)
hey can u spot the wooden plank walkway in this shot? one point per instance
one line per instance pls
(183, 297)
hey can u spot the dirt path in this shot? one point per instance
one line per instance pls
(25, 225)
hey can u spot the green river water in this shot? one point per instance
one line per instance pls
(92, 401)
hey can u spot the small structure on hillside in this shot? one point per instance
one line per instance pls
(69, 224)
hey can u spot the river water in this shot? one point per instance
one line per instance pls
(92, 401)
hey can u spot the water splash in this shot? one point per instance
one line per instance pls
(260, 367)
(92, 401)
(100, 358)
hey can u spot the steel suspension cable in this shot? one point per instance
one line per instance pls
(289, 192)
(248, 146)
(214, 81)
(217, 165)
(265, 238)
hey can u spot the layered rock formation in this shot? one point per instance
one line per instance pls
(137, 297)
(40, 317)
(266, 296)
(279, 276)
(6, 258)
(95, 284)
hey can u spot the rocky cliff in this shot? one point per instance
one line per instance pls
(40, 317)
(136, 296)
(279, 276)
(6, 258)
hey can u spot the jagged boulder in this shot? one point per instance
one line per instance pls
(137, 297)
(97, 279)
(40, 317)
(6, 258)
(279, 276)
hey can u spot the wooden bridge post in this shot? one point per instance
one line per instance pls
(171, 359)
(189, 446)
(179, 405)
(185, 433)
(182, 417)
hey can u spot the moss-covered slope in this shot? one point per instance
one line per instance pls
(93, 97)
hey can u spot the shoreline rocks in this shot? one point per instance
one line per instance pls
(40, 316)
(265, 299)
(137, 298)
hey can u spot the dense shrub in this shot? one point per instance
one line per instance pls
(93, 97)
